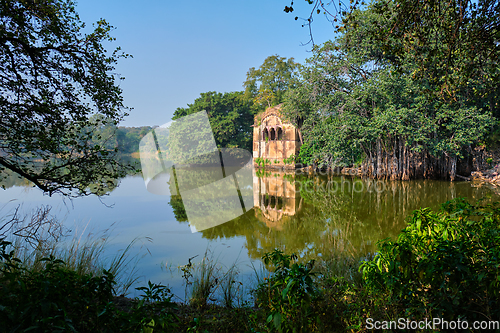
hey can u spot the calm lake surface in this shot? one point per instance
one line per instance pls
(313, 216)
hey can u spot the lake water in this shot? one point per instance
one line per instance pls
(313, 216)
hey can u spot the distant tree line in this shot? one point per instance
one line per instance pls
(124, 140)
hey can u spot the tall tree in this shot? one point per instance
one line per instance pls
(454, 45)
(360, 106)
(230, 117)
(53, 78)
(267, 85)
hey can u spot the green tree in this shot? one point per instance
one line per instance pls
(454, 45)
(128, 138)
(230, 117)
(267, 85)
(54, 78)
(362, 107)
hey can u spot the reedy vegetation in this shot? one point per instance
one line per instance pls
(443, 265)
(50, 283)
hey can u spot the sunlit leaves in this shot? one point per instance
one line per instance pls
(440, 262)
(230, 117)
(267, 84)
(358, 96)
(53, 78)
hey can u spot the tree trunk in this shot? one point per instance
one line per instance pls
(406, 175)
(379, 160)
(453, 168)
(424, 157)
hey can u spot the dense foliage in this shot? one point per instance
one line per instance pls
(230, 117)
(453, 44)
(266, 86)
(54, 77)
(443, 265)
(288, 293)
(358, 103)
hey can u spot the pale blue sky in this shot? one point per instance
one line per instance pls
(184, 48)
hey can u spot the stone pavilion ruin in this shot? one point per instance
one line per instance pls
(274, 139)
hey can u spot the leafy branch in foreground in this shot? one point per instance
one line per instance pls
(288, 293)
(53, 79)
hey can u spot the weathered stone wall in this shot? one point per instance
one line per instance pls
(274, 139)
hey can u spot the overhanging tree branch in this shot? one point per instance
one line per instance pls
(53, 80)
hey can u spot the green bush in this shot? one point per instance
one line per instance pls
(288, 293)
(56, 298)
(53, 298)
(260, 162)
(289, 160)
(443, 264)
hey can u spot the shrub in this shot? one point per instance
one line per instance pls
(53, 298)
(288, 293)
(443, 264)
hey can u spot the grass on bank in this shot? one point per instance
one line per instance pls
(41, 235)
(443, 265)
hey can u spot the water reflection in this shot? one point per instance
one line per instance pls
(275, 197)
(317, 216)
(10, 179)
(312, 215)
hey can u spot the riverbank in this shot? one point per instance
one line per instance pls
(442, 265)
(488, 173)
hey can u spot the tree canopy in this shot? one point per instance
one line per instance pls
(362, 104)
(230, 117)
(53, 78)
(454, 45)
(267, 85)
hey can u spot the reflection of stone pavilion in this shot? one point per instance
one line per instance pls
(275, 198)
(274, 139)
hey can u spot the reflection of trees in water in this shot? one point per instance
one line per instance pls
(341, 215)
(178, 208)
(10, 179)
(331, 215)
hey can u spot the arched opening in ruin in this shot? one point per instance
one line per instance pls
(280, 134)
(265, 134)
(272, 134)
(272, 204)
(266, 200)
(279, 204)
